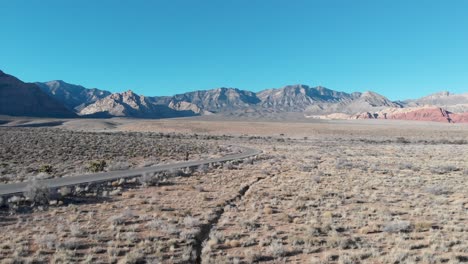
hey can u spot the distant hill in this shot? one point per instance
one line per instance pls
(451, 102)
(27, 99)
(74, 97)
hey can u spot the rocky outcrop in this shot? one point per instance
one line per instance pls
(130, 104)
(186, 106)
(120, 104)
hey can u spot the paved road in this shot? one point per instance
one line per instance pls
(14, 188)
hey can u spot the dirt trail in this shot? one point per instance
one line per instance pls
(205, 230)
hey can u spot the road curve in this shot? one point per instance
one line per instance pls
(15, 188)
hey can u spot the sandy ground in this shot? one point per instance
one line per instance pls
(323, 192)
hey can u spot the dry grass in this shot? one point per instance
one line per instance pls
(28, 153)
(355, 195)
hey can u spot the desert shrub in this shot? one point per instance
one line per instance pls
(406, 166)
(249, 161)
(349, 258)
(155, 224)
(216, 237)
(133, 257)
(228, 166)
(396, 227)
(97, 166)
(343, 164)
(249, 225)
(189, 254)
(46, 169)
(191, 233)
(402, 140)
(203, 168)
(187, 172)
(46, 241)
(119, 165)
(149, 179)
(14, 200)
(306, 168)
(171, 229)
(131, 237)
(190, 222)
(316, 179)
(276, 249)
(75, 230)
(438, 190)
(37, 192)
(444, 169)
(175, 173)
(65, 191)
(253, 256)
(71, 244)
(121, 218)
(116, 219)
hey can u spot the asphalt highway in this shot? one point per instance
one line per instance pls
(15, 188)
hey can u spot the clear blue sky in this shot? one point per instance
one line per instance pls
(402, 49)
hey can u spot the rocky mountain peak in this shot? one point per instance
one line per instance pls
(18, 98)
(129, 93)
(440, 94)
(74, 97)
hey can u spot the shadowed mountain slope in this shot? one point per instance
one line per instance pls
(74, 97)
(18, 98)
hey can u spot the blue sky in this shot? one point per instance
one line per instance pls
(402, 49)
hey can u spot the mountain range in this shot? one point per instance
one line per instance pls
(61, 99)
(27, 99)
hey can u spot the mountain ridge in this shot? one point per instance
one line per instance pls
(317, 102)
(74, 97)
(18, 98)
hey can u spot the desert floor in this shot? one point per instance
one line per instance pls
(321, 192)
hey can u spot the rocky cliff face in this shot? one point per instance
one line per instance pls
(357, 103)
(27, 99)
(130, 104)
(215, 100)
(74, 97)
(120, 104)
(297, 98)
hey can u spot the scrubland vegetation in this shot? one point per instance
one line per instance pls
(41, 153)
(348, 197)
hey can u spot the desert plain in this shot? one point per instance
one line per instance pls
(356, 191)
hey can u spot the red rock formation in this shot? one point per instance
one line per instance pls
(434, 114)
(427, 114)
